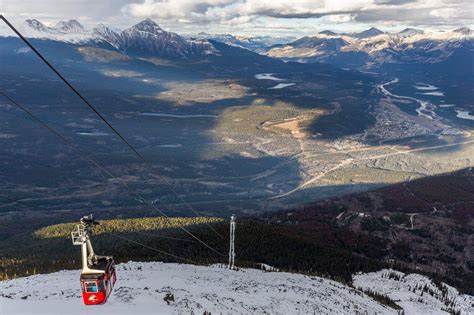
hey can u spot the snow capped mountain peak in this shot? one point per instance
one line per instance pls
(371, 32)
(70, 31)
(149, 26)
(112, 36)
(148, 38)
(71, 26)
(463, 30)
(101, 28)
(410, 32)
(328, 33)
(36, 25)
(67, 27)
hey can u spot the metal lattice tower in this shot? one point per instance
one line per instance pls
(232, 243)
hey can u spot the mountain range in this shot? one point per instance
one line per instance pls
(145, 38)
(73, 31)
(255, 43)
(371, 48)
(364, 50)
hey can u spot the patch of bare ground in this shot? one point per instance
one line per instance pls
(202, 92)
(297, 127)
(291, 126)
(93, 54)
(161, 62)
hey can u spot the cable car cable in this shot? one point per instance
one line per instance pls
(164, 236)
(132, 148)
(91, 160)
(81, 154)
(153, 248)
(12, 203)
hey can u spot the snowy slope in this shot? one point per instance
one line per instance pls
(417, 294)
(141, 287)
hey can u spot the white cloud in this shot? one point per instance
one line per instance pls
(339, 11)
(341, 18)
(445, 13)
(180, 9)
(249, 16)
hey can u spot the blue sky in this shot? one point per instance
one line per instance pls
(253, 17)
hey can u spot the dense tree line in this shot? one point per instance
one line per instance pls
(322, 250)
(257, 242)
(126, 225)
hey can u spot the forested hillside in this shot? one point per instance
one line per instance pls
(332, 252)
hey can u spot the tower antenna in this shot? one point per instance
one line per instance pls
(232, 243)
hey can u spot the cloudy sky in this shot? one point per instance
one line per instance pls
(275, 17)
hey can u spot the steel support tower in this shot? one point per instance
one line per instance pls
(232, 243)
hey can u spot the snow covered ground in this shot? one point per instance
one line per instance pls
(415, 293)
(141, 287)
(267, 76)
(464, 114)
(281, 86)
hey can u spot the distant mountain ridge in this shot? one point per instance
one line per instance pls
(146, 38)
(65, 27)
(71, 26)
(373, 47)
(371, 32)
(254, 43)
(361, 50)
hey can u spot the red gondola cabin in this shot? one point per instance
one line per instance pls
(97, 287)
(98, 272)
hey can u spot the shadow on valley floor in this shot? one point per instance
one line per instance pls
(177, 136)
